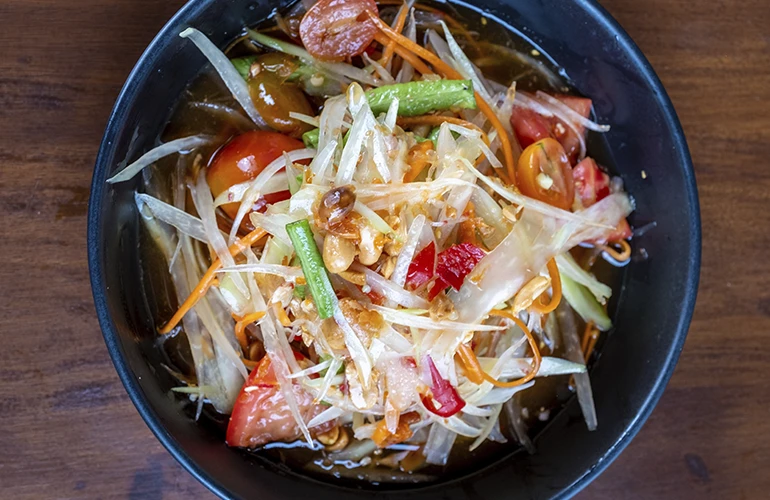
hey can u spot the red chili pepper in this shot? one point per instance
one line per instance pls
(451, 267)
(421, 269)
(456, 262)
(443, 392)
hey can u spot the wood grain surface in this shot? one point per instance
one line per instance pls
(68, 429)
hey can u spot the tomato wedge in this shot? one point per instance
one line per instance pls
(531, 127)
(544, 173)
(593, 185)
(243, 158)
(335, 30)
(261, 415)
(565, 135)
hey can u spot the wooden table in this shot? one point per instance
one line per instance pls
(70, 431)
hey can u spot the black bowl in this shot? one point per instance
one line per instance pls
(651, 317)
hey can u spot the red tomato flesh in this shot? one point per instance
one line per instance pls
(591, 186)
(531, 127)
(262, 415)
(335, 30)
(243, 158)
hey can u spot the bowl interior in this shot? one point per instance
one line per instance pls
(652, 313)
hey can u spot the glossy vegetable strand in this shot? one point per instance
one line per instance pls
(209, 278)
(553, 273)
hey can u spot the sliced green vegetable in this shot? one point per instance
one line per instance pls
(310, 138)
(419, 98)
(243, 65)
(313, 267)
(433, 136)
(300, 291)
(326, 357)
(584, 303)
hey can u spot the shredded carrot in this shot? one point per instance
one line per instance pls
(537, 305)
(448, 72)
(280, 312)
(532, 343)
(383, 438)
(417, 158)
(442, 67)
(473, 370)
(407, 56)
(623, 255)
(241, 324)
(209, 278)
(449, 20)
(466, 231)
(399, 27)
(586, 334)
(502, 134)
(249, 363)
(590, 336)
(591, 345)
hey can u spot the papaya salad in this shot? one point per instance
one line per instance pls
(376, 249)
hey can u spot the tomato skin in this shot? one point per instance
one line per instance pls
(262, 415)
(591, 186)
(565, 135)
(531, 127)
(547, 157)
(335, 30)
(243, 158)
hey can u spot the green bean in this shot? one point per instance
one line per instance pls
(415, 98)
(313, 267)
(310, 138)
(419, 98)
(243, 65)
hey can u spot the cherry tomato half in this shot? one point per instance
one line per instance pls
(243, 158)
(544, 173)
(261, 416)
(333, 30)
